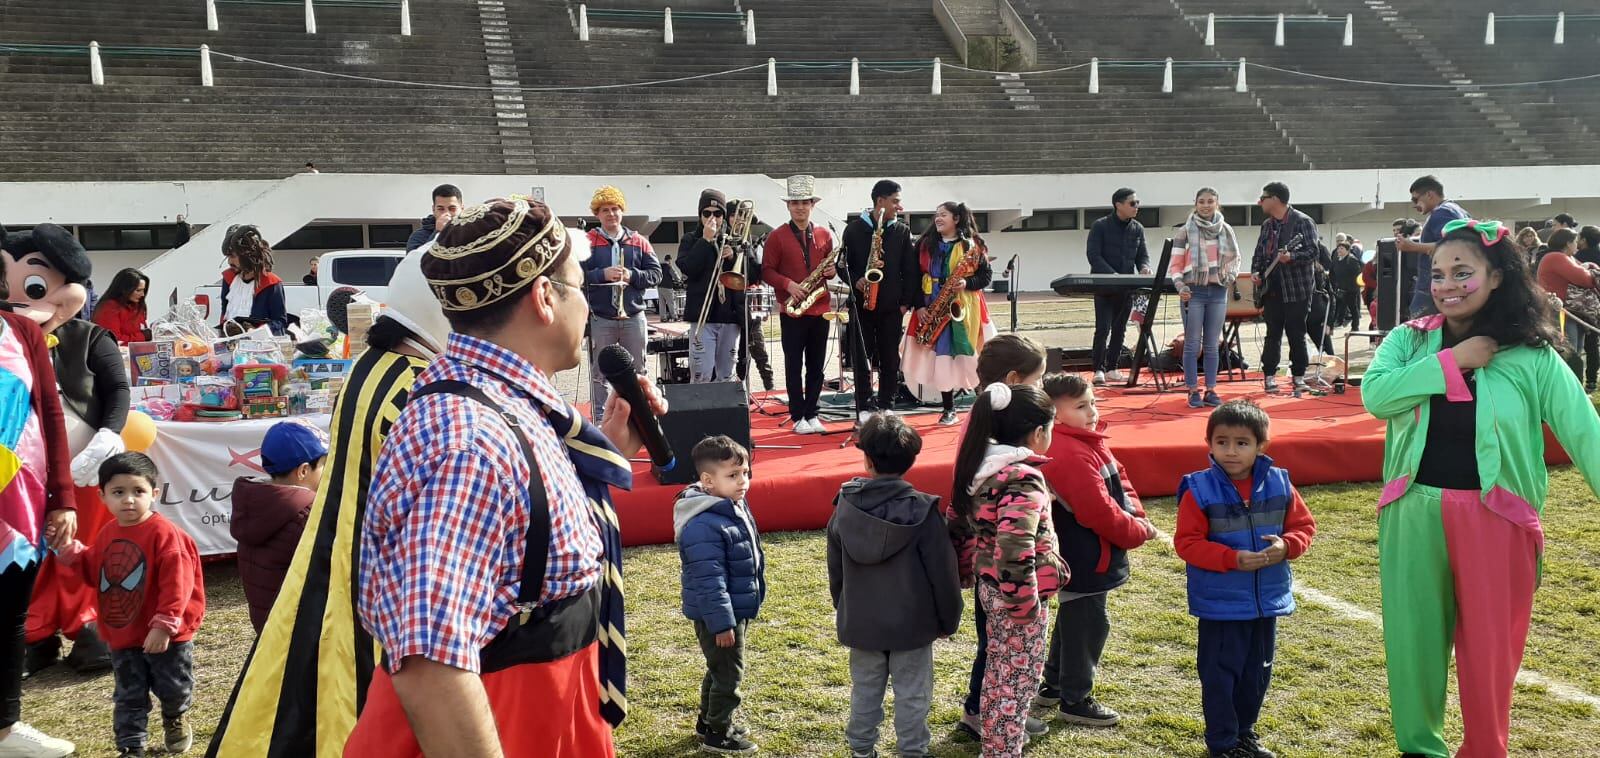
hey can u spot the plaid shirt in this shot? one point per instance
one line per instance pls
(1291, 281)
(447, 518)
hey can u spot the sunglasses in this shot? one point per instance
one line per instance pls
(712, 214)
(1263, 198)
(1491, 231)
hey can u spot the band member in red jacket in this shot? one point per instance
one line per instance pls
(793, 252)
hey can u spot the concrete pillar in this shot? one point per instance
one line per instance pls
(1488, 31)
(1094, 76)
(938, 77)
(1349, 29)
(1211, 30)
(206, 78)
(772, 77)
(405, 18)
(311, 19)
(211, 15)
(97, 72)
(1239, 84)
(1166, 77)
(583, 22)
(666, 33)
(855, 76)
(1277, 36)
(750, 27)
(1561, 28)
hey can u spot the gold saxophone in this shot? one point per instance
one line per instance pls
(945, 307)
(815, 285)
(874, 273)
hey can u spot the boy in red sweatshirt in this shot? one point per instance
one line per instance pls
(1098, 518)
(152, 598)
(1239, 524)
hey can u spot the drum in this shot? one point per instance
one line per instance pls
(761, 300)
(680, 299)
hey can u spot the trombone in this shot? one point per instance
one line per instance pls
(736, 233)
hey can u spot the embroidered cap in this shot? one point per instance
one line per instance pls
(490, 252)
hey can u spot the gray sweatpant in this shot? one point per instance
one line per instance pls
(713, 350)
(629, 333)
(169, 676)
(912, 674)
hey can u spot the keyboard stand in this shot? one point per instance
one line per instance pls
(1145, 346)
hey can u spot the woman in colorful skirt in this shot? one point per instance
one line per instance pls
(1466, 394)
(949, 361)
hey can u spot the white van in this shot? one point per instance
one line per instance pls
(366, 270)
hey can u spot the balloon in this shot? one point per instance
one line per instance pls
(139, 432)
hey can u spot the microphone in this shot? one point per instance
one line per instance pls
(616, 365)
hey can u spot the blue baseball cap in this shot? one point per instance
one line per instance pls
(289, 444)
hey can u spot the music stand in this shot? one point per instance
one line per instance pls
(1146, 345)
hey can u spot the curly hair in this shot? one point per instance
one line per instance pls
(254, 254)
(1518, 312)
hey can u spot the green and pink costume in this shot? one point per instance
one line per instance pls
(1459, 566)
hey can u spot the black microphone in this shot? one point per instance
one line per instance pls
(616, 365)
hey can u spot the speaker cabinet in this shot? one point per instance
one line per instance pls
(698, 411)
(1397, 275)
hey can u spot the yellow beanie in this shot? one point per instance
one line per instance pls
(607, 195)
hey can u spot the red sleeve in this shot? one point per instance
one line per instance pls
(1567, 270)
(52, 424)
(1191, 542)
(771, 261)
(1298, 526)
(1075, 472)
(175, 570)
(1127, 489)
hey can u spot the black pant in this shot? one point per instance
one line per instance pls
(1591, 352)
(879, 337)
(16, 589)
(980, 662)
(1110, 329)
(805, 339)
(1349, 305)
(1284, 318)
(1235, 665)
(719, 690)
(1319, 318)
(168, 675)
(755, 341)
(1075, 646)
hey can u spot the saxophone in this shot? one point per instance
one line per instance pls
(945, 308)
(874, 273)
(815, 284)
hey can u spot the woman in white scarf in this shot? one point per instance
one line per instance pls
(1205, 260)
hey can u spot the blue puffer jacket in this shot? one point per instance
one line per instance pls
(1241, 595)
(637, 255)
(724, 571)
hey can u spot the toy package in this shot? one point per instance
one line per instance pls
(259, 380)
(151, 363)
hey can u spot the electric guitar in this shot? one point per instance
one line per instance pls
(1260, 294)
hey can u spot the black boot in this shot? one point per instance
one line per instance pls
(90, 654)
(41, 655)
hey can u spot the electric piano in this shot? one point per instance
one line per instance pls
(1157, 284)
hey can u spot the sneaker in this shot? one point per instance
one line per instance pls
(26, 742)
(1237, 751)
(41, 655)
(1116, 377)
(1589, 388)
(803, 426)
(1250, 741)
(872, 753)
(1195, 401)
(728, 743)
(1088, 712)
(179, 735)
(1048, 697)
(1211, 399)
(1271, 385)
(862, 417)
(1099, 378)
(130, 752)
(1299, 387)
(1035, 727)
(701, 730)
(90, 654)
(970, 726)
(816, 425)
(948, 418)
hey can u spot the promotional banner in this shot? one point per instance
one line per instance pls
(199, 463)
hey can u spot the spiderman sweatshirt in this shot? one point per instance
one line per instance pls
(147, 576)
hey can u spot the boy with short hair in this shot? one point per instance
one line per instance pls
(269, 516)
(724, 581)
(1239, 579)
(152, 599)
(892, 573)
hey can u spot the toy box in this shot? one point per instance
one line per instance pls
(151, 363)
(265, 407)
(259, 379)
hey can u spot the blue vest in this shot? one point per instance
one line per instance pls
(1241, 595)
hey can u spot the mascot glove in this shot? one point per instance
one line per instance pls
(86, 466)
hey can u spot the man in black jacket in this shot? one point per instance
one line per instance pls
(713, 346)
(880, 324)
(1284, 263)
(1346, 269)
(446, 204)
(1116, 246)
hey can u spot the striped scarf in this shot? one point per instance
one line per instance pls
(1205, 270)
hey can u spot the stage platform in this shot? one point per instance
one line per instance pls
(1157, 436)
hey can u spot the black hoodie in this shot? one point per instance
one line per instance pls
(891, 567)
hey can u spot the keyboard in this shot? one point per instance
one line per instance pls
(1079, 285)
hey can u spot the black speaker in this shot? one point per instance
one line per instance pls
(1068, 359)
(1397, 275)
(698, 411)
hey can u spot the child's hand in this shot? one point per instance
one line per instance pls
(1277, 552)
(1149, 528)
(156, 641)
(1250, 560)
(725, 639)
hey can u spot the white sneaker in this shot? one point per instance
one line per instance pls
(803, 426)
(862, 417)
(26, 742)
(816, 425)
(1116, 377)
(1099, 378)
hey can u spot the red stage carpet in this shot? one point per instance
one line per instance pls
(1159, 438)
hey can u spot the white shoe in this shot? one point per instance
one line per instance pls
(862, 417)
(803, 426)
(1099, 378)
(816, 425)
(26, 742)
(1116, 377)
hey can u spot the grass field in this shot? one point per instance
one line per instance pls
(1328, 697)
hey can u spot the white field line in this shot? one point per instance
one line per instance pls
(1355, 612)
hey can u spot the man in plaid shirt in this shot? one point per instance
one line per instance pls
(1289, 238)
(486, 554)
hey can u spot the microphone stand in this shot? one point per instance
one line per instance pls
(854, 311)
(1012, 270)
